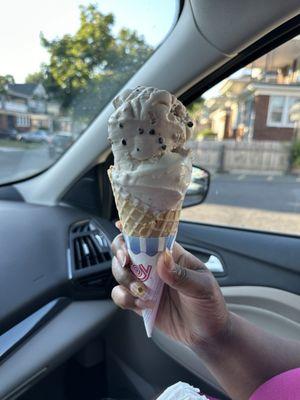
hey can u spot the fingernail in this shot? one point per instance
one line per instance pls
(118, 225)
(167, 256)
(137, 289)
(121, 258)
(123, 262)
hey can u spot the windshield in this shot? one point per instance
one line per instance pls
(61, 63)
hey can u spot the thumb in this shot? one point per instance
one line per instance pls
(196, 282)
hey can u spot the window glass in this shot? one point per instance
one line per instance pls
(61, 63)
(276, 109)
(247, 134)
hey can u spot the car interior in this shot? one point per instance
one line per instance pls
(61, 336)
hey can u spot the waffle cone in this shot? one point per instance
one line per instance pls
(139, 220)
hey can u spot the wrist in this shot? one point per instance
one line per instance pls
(220, 342)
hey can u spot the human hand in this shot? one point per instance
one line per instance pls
(192, 308)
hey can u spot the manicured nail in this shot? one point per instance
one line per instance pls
(167, 256)
(137, 289)
(123, 263)
(121, 258)
(118, 225)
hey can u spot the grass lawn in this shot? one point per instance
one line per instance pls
(19, 145)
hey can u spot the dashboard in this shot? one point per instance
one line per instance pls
(55, 284)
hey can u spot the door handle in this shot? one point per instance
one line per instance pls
(215, 265)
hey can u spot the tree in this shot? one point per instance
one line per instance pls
(4, 81)
(36, 77)
(86, 69)
(196, 107)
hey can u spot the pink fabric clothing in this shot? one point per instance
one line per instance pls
(285, 386)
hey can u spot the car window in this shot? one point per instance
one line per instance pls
(61, 63)
(247, 134)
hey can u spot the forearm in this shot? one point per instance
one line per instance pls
(247, 356)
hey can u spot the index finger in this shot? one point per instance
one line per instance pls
(119, 249)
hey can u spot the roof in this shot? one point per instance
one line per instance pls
(25, 89)
(279, 57)
(238, 86)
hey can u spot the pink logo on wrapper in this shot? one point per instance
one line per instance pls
(140, 271)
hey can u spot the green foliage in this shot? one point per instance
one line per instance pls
(5, 80)
(206, 134)
(86, 69)
(195, 108)
(296, 154)
(36, 77)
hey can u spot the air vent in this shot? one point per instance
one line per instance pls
(89, 245)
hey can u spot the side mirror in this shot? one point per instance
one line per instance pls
(198, 188)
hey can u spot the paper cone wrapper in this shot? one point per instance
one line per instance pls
(144, 252)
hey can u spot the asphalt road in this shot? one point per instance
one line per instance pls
(264, 203)
(18, 163)
(272, 193)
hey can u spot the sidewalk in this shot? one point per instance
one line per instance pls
(240, 217)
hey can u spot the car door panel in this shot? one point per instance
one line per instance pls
(249, 257)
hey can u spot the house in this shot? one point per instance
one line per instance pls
(257, 102)
(23, 107)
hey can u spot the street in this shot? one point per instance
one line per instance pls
(268, 203)
(18, 163)
(272, 193)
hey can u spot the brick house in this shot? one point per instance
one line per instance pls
(23, 108)
(257, 104)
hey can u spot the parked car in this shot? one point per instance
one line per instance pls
(39, 136)
(61, 141)
(11, 134)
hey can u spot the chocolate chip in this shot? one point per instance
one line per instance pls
(164, 147)
(141, 131)
(160, 140)
(152, 132)
(121, 125)
(190, 124)
(124, 142)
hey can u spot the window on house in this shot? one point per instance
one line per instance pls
(276, 108)
(279, 112)
(23, 121)
(247, 135)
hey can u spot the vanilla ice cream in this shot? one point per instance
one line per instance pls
(148, 132)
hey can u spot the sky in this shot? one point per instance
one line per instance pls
(21, 22)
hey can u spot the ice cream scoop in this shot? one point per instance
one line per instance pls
(148, 132)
